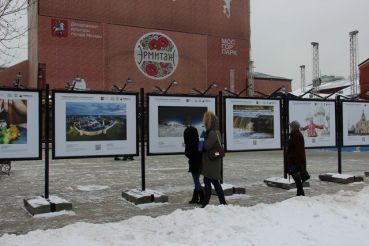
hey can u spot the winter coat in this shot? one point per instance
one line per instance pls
(191, 140)
(296, 150)
(211, 169)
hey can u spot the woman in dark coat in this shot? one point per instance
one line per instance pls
(211, 169)
(191, 140)
(296, 154)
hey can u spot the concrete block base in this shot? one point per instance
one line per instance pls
(37, 205)
(283, 183)
(58, 204)
(141, 197)
(340, 178)
(40, 205)
(230, 190)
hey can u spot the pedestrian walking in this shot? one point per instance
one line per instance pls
(211, 169)
(296, 156)
(191, 140)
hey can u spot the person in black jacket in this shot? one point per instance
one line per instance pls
(191, 140)
(296, 154)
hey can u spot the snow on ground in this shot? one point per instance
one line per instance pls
(339, 219)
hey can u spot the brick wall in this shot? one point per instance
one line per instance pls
(268, 86)
(8, 75)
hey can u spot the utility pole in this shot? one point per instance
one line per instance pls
(250, 76)
(303, 89)
(316, 79)
(353, 64)
(231, 79)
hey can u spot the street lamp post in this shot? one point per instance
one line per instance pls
(116, 88)
(16, 82)
(213, 85)
(69, 87)
(158, 89)
(226, 91)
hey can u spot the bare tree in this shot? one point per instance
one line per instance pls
(13, 27)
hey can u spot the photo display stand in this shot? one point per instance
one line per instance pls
(20, 124)
(252, 124)
(318, 123)
(317, 119)
(355, 125)
(94, 124)
(352, 132)
(168, 116)
(46, 204)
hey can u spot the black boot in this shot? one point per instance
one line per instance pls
(201, 197)
(207, 196)
(220, 194)
(195, 197)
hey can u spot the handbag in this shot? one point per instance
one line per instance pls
(304, 175)
(298, 170)
(218, 152)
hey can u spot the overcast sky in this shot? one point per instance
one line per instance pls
(282, 32)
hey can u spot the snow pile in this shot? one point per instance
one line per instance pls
(339, 219)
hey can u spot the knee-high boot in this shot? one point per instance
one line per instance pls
(220, 194)
(201, 197)
(207, 196)
(195, 197)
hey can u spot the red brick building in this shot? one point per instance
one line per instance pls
(99, 42)
(364, 77)
(154, 42)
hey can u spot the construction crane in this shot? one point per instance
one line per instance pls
(353, 64)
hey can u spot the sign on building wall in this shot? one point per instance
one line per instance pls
(63, 28)
(228, 47)
(156, 55)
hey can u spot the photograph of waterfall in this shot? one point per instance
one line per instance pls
(252, 124)
(252, 121)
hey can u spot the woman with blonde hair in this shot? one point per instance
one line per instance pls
(211, 169)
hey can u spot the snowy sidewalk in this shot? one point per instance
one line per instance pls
(94, 186)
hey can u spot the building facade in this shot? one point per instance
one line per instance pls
(195, 43)
(364, 77)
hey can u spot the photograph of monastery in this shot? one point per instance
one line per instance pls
(96, 121)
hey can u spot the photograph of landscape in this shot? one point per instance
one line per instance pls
(95, 121)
